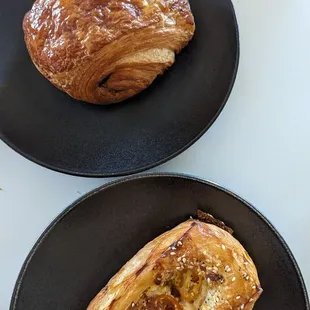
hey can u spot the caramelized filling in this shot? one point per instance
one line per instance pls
(164, 302)
(188, 283)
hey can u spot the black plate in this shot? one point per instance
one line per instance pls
(53, 130)
(86, 244)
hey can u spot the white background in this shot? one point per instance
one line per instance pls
(259, 147)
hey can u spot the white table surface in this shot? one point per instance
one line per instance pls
(259, 147)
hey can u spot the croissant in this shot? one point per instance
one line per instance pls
(193, 266)
(105, 51)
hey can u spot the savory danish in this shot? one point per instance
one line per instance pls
(104, 51)
(193, 266)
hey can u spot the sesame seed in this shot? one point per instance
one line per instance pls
(254, 286)
(242, 306)
(183, 255)
(246, 263)
(173, 248)
(251, 299)
(233, 279)
(204, 252)
(238, 297)
(223, 247)
(184, 260)
(132, 305)
(172, 253)
(227, 268)
(247, 278)
(178, 268)
(179, 243)
(218, 264)
(179, 259)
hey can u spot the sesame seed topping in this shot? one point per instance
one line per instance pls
(247, 278)
(223, 247)
(179, 243)
(184, 260)
(254, 286)
(178, 268)
(233, 279)
(179, 259)
(251, 299)
(173, 248)
(132, 305)
(172, 253)
(218, 264)
(238, 297)
(246, 263)
(204, 252)
(227, 268)
(242, 306)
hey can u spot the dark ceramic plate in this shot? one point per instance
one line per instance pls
(53, 130)
(88, 243)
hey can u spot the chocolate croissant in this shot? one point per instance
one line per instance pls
(105, 51)
(193, 266)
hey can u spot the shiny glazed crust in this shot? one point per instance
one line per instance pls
(104, 51)
(193, 266)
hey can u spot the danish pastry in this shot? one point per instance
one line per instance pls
(194, 266)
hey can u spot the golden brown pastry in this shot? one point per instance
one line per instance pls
(193, 266)
(104, 51)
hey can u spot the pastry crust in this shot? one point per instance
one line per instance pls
(104, 51)
(193, 266)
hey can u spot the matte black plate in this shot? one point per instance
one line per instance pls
(88, 243)
(53, 130)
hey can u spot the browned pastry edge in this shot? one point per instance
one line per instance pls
(208, 218)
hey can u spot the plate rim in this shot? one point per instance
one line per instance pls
(76, 203)
(159, 162)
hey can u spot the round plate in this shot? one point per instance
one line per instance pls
(58, 132)
(89, 242)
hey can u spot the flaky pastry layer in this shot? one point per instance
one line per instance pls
(105, 51)
(193, 266)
